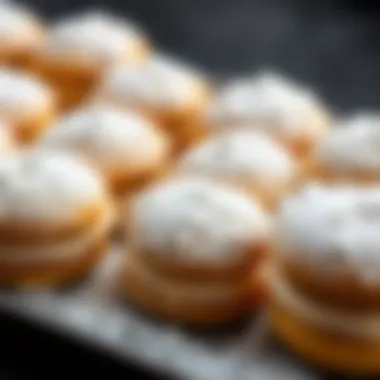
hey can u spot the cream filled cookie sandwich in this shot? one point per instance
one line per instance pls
(21, 32)
(55, 216)
(168, 91)
(324, 278)
(195, 250)
(270, 103)
(250, 160)
(350, 152)
(79, 49)
(125, 147)
(26, 104)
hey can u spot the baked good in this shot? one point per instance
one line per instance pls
(54, 218)
(273, 104)
(80, 48)
(350, 152)
(26, 104)
(125, 147)
(194, 250)
(21, 32)
(168, 91)
(324, 277)
(247, 159)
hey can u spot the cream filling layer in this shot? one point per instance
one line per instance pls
(358, 326)
(182, 293)
(53, 252)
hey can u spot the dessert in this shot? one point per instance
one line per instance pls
(170, 92)
(21, 32)
(26, 104)
(195, 250)
(272, 104)
(54, 219)
(324, 277)
(79, 49)
(124, 146)
(350, 152)
(247, 159)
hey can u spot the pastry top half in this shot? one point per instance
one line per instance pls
(242, 157)
(93, 39)
(191, 220)
(22, 96)
(269, 102)
(119, 143)
(158, 83)
(332, 232)
(20, 29)
(46, 195)
(352, 147)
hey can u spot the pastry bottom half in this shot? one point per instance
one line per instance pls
(327, 350)
(166, 303)
(52, 272)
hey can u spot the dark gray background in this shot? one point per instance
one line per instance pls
(333, 45)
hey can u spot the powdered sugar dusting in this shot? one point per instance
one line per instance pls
(241, 156)
(157, 82)
(15, 20)
(353, 144)
(266, 97)
(21, 94)
(197, 219)
(93, 36)
(45, 186)
(109, 138)
(335, 228)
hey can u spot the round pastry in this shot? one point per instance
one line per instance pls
(124, 146)
(81, 48)
(324, 279)
(267, 102)
(20, 34)
(248, 159)
(26, 104)
(194, 250)
(350, 152)
(168, 91)
(54, 219)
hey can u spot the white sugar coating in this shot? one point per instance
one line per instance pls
(94, 37)
(46, 186)
(353, 144)
(195, 219)
(157, 82)
(111, 139)
(15, 22)
(21, 95)
(7, 142)
(246, 157)
(333, 228)
(266, 97)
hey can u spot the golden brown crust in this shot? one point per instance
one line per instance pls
(195, 271)
(32, 232)
(343, 291)
(28, 130)
(52, 273)
(328, 350)
(185, 311)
